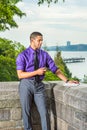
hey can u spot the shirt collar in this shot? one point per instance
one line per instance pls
(32, 50)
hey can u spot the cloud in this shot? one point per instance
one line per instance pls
(60, 22)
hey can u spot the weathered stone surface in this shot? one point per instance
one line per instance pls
(12, 129)
(81, 116)
(75, 97)
(10, 103)
(4, 114)
(67, 107)
(71, 128)
(61, 124)
(71, 105)
(8, 124)
(16, 114)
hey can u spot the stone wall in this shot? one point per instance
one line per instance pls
(67, 107)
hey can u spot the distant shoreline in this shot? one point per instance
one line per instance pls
(77, 47)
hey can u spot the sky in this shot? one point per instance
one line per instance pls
(58, 23)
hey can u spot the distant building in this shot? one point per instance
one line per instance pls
(68, 47)
(68, 43)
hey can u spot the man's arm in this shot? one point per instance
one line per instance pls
(60, 75)
(21, 74)
(65, 79)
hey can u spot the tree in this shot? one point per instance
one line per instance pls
(11, 49)
(8, 10)
(8, 53)
(48, 1)
(59, 61)
(7, 69)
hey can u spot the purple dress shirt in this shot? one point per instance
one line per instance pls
(25, 61)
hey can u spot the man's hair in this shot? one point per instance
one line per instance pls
(35, 34)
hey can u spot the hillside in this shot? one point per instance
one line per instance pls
(77, 47)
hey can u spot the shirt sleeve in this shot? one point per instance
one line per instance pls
(20, 62)
(51, 64)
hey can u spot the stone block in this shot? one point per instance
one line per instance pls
(7, 124)
(61, 124)
(12, 129)
(7, 95)
(81, 116)
(67, 107)
(10, 103)
(11, 124)
(16, 114)
(4, 114)
(71, 128)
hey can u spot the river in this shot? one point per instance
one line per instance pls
(78, 69)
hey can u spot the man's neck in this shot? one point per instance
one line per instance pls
(32, 47)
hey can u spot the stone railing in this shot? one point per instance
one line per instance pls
(67, 107)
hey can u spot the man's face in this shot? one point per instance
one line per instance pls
(37, 42)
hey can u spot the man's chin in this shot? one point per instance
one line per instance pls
(39, 47)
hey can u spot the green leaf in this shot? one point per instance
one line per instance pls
(8, 10)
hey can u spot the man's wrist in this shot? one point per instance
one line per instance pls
(67, 80)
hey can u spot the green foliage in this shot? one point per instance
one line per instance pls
(49, 76)
(7, 69)
(8, 53)
(8, 10)
(85, 79)
(48, 1)
(59, 62)
(6, 49)
(75, 78)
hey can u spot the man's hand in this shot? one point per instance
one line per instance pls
(73, 81)
(64, 78)
(41, 71)
(22, 74)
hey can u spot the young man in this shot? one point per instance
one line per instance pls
(31, 75)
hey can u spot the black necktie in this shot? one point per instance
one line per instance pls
(36, 65)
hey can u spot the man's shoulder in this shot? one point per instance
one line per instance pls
(24, 51)
(43, 51)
